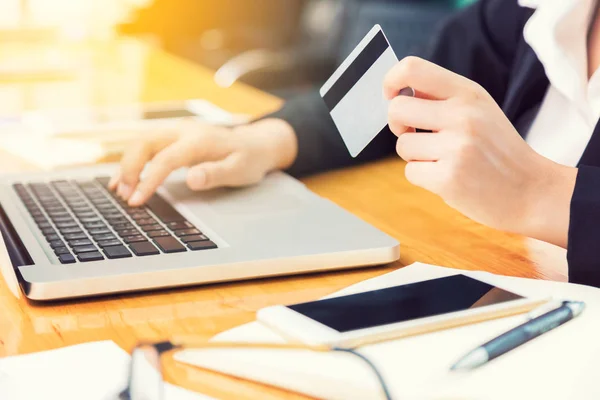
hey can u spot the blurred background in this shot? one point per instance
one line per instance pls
(282, 46)
(75, 75)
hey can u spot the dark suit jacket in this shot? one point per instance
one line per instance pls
(484, 43)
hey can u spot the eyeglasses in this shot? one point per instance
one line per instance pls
(146, 379)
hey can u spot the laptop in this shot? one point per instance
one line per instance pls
(67, 236)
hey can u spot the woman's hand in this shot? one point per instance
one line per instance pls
(217, 156)
(474, 158)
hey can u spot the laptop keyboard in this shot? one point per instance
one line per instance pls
(84, 221)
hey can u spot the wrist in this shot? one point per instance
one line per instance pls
(548, 207)
(277, 140)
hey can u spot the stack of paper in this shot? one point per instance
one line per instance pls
(92, 371)
(562, 364)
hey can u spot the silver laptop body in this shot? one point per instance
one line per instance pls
(277, 227)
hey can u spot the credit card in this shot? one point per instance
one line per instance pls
(354, 93)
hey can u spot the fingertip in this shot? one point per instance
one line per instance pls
(124, 191)
(196, 178)
(136, 199)
(114, 181)
(388, 93)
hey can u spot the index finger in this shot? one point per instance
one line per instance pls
(173, 157)
(427, 78)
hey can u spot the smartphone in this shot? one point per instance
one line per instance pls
(394, 312)
(133, 118)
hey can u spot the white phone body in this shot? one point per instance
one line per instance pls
(295, 326)
(133, 118)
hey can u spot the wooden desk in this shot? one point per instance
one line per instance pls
(428, 230)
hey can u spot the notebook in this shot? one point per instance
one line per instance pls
(561, 364)
(91, 371)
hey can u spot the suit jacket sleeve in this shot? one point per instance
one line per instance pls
(583, 252)
(478, 42)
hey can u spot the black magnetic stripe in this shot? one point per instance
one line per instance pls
(356, 70)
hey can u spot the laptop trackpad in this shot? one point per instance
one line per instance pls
(277, 193)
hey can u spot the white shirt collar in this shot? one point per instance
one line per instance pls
(531, 3)
(557, 31)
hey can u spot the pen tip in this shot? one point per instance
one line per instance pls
(576, 307)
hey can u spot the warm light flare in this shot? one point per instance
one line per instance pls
(75, 18)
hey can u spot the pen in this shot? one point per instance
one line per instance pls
(520, 335)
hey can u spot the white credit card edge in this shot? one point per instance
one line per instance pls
(348, 61)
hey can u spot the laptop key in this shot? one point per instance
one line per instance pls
(112, 215)
(204, 245)
(144, 248)
(98, 201)
(80, 242)
(117, 221)
(163, 210)
(98, 231)
(150, 228)
(134, 239)
(44, 225)
(169, 245)
(56, 244)
(66, 258)
(66, 231)
(122, 226)
(71, 224)
(108, 207)
(55, 208)
(108, 243)
(116, 252)
(65, 218)
(84, 249)
(154, 234)
(179, 225)
(81, 209)
(61, 250)
(104, 236)
(75, 236)
(193, 238)
(145, 221)
(51, 238)
(95, 224)
(187, 232)
(57, 214)
(90, 256)
(48, 231)
(128, 232)
(85, 220)
(88, 214)
(137, 215)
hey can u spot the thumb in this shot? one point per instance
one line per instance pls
(213, 174)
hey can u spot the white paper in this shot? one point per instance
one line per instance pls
(562, 364)
(91, 371)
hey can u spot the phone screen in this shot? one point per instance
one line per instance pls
(404, 303)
